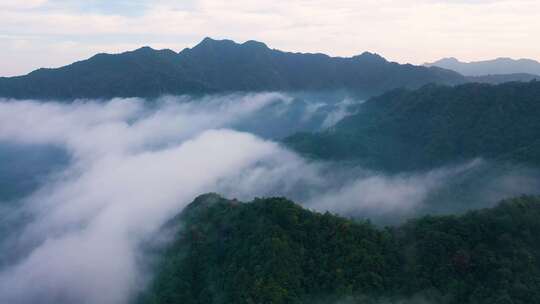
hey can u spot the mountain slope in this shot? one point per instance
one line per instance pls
(489, 67)
(142, 72)
(273, 251)
(435, 125)
(219, 66)
(502, 78)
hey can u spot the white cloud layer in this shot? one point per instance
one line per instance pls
(42, 33)
(132, 169)
(135, 166)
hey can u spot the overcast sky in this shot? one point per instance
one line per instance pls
(52, 33)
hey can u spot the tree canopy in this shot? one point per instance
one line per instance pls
(274, 251)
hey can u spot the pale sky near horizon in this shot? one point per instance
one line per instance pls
(52, 33)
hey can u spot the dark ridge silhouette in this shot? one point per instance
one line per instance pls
(219, 66)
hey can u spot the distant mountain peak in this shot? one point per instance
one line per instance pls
(371, 57)
(255, 44)
(207, 40)
(144, 50)
(210, 42)
(497, 66)
(449, 60)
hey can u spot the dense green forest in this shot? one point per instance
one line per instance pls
(219, 66)
(274, 251)
(435, 125)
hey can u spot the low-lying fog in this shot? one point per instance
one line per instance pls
(83, 185)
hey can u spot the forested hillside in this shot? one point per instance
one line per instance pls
(435, 125)
(274, 251)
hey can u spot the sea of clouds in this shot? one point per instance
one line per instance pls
(135, 164)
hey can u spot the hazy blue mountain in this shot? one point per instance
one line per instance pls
(489, 67)
(219, 66)
(435, 125)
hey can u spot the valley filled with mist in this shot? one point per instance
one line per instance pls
(236, 173)
(90, 184)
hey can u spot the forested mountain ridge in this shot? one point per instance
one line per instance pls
(435, 125)
(219, 66)
(273, 251)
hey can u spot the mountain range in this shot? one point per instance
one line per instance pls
(215, 66)
(489, 67)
